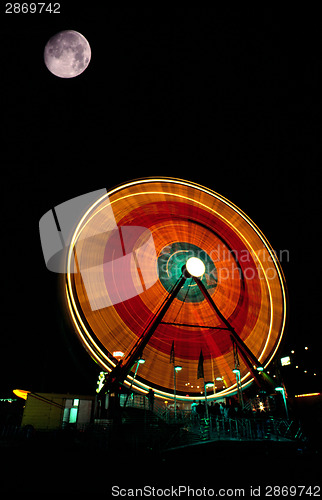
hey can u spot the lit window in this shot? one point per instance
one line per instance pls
(76, 402)
(73, 415)
(286, 361)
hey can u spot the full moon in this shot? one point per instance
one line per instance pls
(67, 54)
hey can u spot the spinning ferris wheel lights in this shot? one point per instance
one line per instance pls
(159, 240)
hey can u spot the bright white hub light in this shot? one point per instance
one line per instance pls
(195, 267)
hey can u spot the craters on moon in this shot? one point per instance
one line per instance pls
(67, 54)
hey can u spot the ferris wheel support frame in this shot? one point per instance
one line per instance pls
(123, 368)
(249, 358)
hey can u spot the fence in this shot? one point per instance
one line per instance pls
(188, 428)
(221, 427)
(250, 428)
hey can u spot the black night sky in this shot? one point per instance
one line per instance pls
(226, 97)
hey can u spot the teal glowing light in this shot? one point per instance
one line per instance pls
(171, 260)
(73, 415)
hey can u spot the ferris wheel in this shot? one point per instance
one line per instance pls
(162, 271)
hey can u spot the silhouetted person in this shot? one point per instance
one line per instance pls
(217, 410)
(151, 399)
(200, 410)
(194, 413)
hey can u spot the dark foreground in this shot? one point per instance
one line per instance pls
(62, 463)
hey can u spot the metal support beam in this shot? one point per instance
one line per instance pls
(247, 355)
(199, 327)
(237, 373)
(123, 368)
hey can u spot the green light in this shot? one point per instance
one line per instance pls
(100, 382)
(178, 368)
(281, 389)
(170, 262)
(260, 369)
(73, 415)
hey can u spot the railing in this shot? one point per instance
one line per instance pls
(251, 428)
(10, 432)
(189, 427)
(219, 426)
(142, 402)
(134, 401)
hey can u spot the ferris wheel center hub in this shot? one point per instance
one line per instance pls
(195, 267)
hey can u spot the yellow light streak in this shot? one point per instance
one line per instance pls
(85, 336)
(307, 395)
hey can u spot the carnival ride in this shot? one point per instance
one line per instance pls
(167, 270)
